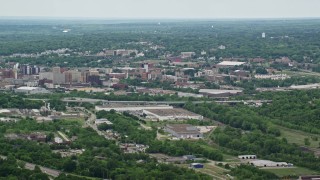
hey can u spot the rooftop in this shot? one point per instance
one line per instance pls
(172, 112)
(219, 91)
(183, 128)
(27, 88)
(231, 63)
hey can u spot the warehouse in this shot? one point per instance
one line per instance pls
(171, 114)
(196, 165)
(183, 131)
(219, 93)
(31, 90)
(103, 121)
(247, 157)
(123, 107)
(267, 163)
(227, 64)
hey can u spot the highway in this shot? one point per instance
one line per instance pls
(88, 100)
(93, 101)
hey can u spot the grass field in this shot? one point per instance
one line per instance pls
(212, 170)
(294, 171)
(295, 136)
(301, 73)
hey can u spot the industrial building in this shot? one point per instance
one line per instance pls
(171, 114)
(196, 165)
(31, 90)
(219, 93)
(183, 131)
(103, 121)
(226, 64)
(247, 157)
(267, 163)
(123, 107)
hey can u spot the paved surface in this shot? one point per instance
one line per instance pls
(51, 172)
(158, 102)
(88, 100)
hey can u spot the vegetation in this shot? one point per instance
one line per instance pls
(102, 158)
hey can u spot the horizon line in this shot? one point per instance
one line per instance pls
(153, 18)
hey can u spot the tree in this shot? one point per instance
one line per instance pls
(69, 165)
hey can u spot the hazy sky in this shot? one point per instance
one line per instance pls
(162, 8)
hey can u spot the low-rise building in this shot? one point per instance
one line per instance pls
(267, 163)
(103, 121)
(272, 76)
(171, 114)
(58, 140)
(183, 131)
(219, 93)
(187, 54)
(309, 177)
(226, 64)
(31, 90)
(183, 94)
(247, 157)
(123, 108)
(196, 165)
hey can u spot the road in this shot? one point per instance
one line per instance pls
(79, 100)
(91, 123)
(51, 172)
(93, 101)
(48, 171)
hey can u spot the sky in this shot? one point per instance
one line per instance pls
(151, 9)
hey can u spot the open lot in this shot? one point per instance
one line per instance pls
(295, 136)
(293, 171)
(212, 170)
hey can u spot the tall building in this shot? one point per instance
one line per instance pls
(94, 80)
(263, 35)
(146, 67)
(7, 73)
(56, 70)
(72, 76)
(29, 70)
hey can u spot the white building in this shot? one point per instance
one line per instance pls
(272, 76)
(222, 47)
(187, 54)
(183, 131)
(123, 108)
(247, 157)
(103, 121)
(263, 35)
(183, 94)
(220, 92)
(171, 114)
(230, 63)
(31, 90)
(58, 140)
(267, 163)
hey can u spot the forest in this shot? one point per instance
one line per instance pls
(295, 39)
(112, 163)
(251, 130)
